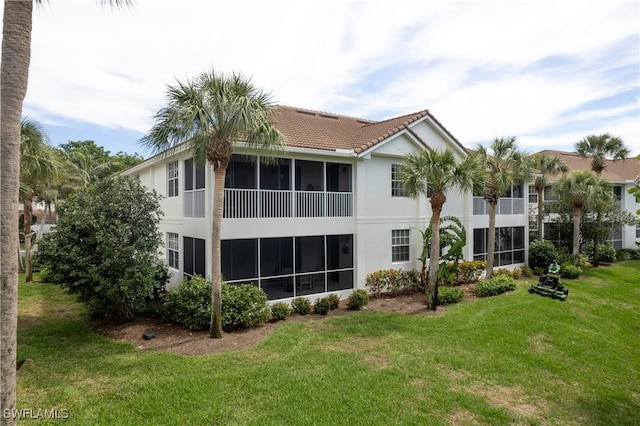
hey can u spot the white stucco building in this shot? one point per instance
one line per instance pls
(328, 213)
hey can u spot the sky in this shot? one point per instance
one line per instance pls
(548, 72)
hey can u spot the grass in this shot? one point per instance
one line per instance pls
(512, 359)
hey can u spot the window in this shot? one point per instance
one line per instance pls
(290, 266)
(615, 239)
(397, 189)
(533, 194)
(173, 250)
(194, 184)
(400, 245)
(241, 173)
(194, 256)
(509, 245)
(338, 177)
(309, 175)
(637, 231)
(172, 179)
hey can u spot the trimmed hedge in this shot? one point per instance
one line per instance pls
(570, 271)
(494, 286)
(358, 299)
(449, 295)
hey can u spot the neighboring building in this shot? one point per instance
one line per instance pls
(329, 212)
(620, 173)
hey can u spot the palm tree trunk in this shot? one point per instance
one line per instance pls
(216, 263)
(540, 207)
(491, 243)
(28, 218)
(577, 214)
(434, 258)
(596, 242)
(16, 54)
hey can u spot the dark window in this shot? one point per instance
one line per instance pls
(276, 256)
(480, 241)
(310, 254)
(339, 252)
(276, 176)
(194, 256)
(338, 177)
(309, 175)
(241, 173)
(239, 259)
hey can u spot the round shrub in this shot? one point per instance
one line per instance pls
(526, 271)
(358, 299)
(607, 253)
(623, 254)
(189, 304)
(280, 311)
(244, 306)
(495, 286)
(334, 300)
(449, 295)
(301, 305)
(321, 306)
(570, 271)
(541, 254)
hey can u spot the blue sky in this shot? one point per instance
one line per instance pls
(548, 72)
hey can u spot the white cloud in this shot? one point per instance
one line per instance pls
(484, 69)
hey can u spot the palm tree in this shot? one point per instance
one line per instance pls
(506, 166)
(209, 113)
(601, 147)
(545, 165)
(577, 189)
(14, 73)
(602, 201)
(433, 173)
(37, 167)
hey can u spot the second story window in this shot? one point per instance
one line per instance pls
(194, 192)
(397, 190)
(172, 179)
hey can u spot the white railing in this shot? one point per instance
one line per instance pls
(254, 203)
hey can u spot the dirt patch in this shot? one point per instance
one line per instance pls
(511, 398)
(462, 418)
(178, 339)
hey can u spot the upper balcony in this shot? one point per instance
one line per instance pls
(289, 188)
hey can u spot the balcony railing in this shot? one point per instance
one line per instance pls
(259, 203)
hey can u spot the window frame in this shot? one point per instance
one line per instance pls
(173, 250)
(173, 179)
(397, 189)
(400, 239)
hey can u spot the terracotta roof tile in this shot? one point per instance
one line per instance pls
(305, 128)
(615, 170)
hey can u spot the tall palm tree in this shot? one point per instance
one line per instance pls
(433, 173)
(545, 165)
(209, 113)
(506, 165)
(602, 201)
(14, 73)
(37, 167)
(577, 189)
(601, 147)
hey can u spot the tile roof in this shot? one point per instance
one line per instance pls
(615, 170)
(305, 128)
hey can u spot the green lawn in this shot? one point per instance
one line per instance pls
(512, 359)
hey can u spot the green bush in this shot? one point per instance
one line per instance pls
(501, 271)
(538, 270)
(607, 253)
(635, 254)
(570, 271)
(495, 286)
(358, 299)
(624, 254)
(449, 295)
(470, 270)
(280, 311)
(334, 301)
(395, 281)
(244, 306)
(541, 254)
(526, 271)
(189, 304)
(301, 305)
(321, 306)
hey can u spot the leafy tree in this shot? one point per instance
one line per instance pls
(453, 236)
(545, 165)
(578, 190)
(506, 165)
(433, 173)
(37, 166)
(601, 147)
(209, 113)
(105, 245)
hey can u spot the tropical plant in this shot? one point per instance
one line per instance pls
(14, 73)
(37, 167)
(601, 147)
(209, 114)
(577, 190)
(506, 166)
(433, 173)
(453, 237)
(545, 165)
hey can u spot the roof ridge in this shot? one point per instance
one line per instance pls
(414, 116)
(318, 112)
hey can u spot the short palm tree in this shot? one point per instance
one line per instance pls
(577, 189)
(505, 165)
(545, 165)
(434, 173)
(602, 201)
(209, 113)
(601, 147)
(37, 167)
